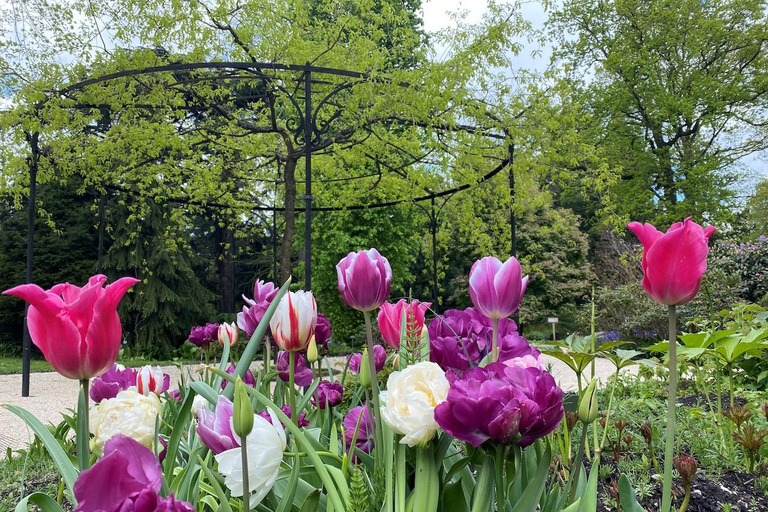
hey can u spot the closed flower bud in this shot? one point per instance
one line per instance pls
(228, 333)
(588, 404)
(647, 432)
(686, 466)
(242, 417)
(312, 350)
(365, 370)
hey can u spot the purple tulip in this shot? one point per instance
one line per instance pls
(673, 262)
(459, 339)
(367, 425)
(322, 333)
(248, 378)
(364, 279)
(302, 374)
(204, 335)
(301, 422)
(250, 317)
(175, 395)
(127, 478)
(379, 356)
(328, 394)
(501, 403)
(263, 292)
(215, 427)
(110, 383)
(497, 288)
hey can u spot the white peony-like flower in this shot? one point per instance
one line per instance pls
(130, 413)
(265, 445)
(408, 404)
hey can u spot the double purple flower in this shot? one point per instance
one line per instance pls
(327, 394)
(128, 478)
(113, 381)
(248, 378)
(379, 356)
(254, 309)
(322, 334)
(367, 424)
(204, 335)
(302, 421)
(501, 403)
(302, 374)
(459, 340)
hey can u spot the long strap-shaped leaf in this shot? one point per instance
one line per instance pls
(530, 498)
(43, 502)
(251, 349)
(57, 453)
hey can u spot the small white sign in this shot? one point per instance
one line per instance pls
(552, 320)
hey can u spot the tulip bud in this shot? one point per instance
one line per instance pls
(588, 404)
(242, 416)
(228, 333)
(312, 350)
(686, 466)
(365, 370)
(396, 362)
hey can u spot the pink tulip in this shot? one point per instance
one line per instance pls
(151, 379)
(496, 288)
(294, 321)
(364, 279)
(673, 262)
(390, 319)
(77, 329)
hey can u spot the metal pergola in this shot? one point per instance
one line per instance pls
(307, 126)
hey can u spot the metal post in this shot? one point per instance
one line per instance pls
(34, 140)
(102, 225)
(308, 125)
(433, 229)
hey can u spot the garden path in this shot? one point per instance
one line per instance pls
(51, 395)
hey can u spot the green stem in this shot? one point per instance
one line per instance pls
(684, 505)
(83, 427)
(400, 471)
(573, 480)
(374, 379)
(292, 387)
(495, 341)
(246, 484)
(500, 484)
(669, 448)
(608, 413)
(730, 383)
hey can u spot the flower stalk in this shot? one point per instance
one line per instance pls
(669, 447)
(374, 380)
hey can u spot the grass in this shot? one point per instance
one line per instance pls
(10, 365)
(27, 471)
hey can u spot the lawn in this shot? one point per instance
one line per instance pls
(9, 365)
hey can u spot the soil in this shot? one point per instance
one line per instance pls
(701, 401)
(732, 488)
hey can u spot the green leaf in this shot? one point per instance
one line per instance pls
(223, 500)
(206, 391)
(529, 500)
(44, 502)
(589, 498)
(180, 425)
(627, 496)
(57, 453)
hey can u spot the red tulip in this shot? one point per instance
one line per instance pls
(390, 319)
(497, 288)
(77, 329)
(673, 262)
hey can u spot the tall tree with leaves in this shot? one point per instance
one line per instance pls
(679, 94)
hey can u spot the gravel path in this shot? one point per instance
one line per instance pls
(51, 395)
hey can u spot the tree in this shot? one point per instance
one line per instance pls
(757, 210)
(678, 91)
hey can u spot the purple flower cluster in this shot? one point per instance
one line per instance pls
(359, 418)
(113, 381)
(204, 335)
(128, 478)
(459, 340)
(379, 357)
(609, 336)
(301, 422)
(502, 403)
(328, 394)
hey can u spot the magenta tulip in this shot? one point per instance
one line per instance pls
(214, 428)
(322, 333)
(328, 394)
(128, 478)
(203, 335)
(359, 420)
(673, 262)
(77, 329)
(301, 372)
(391, 315)
(497, 288)
(364, 279)
(302, 420)
(251, 316)
(379, 356)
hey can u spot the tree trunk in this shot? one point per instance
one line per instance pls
(668, 176)
(289, 176)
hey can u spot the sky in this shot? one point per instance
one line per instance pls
(436, 17)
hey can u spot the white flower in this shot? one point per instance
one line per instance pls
(294, 320)
(150, 379)
(198, 403)
(408, 404)
(129, 413)
(265, 445)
